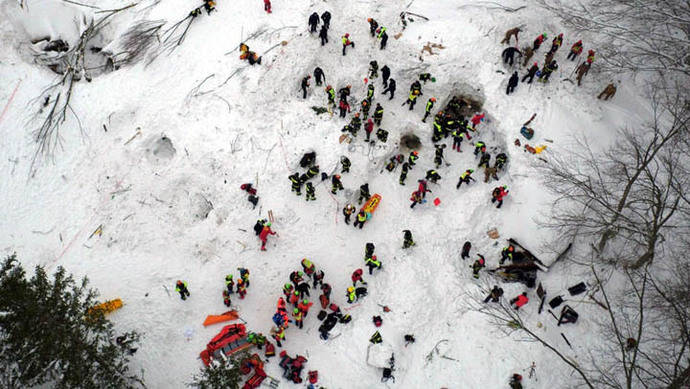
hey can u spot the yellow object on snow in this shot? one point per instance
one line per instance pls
(107, 307)
(539, 149)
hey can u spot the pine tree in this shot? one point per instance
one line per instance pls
(224, 375)
(48, 335)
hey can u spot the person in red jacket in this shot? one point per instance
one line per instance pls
(304, 306)
(520, 300)
(498, 194)
(369, 127)
(357, 276)
(575, 50)
(476, 119)
(267, 6)
(264, 235)
(539, 41)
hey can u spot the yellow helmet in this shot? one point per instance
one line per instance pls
(350, 289)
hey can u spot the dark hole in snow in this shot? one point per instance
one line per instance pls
(468, 106)
(410, 141)
(163, 148)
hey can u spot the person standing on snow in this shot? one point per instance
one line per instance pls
(383, 35)
(373, 69)
(181, 288)
(345, 162)
(326, 18)
(264, 235)
(538, 41)
(557, 42)
(476, 119)
(494, 295)
(528, 54)
(403, 172)
(608, 92)
(428, 108)
(364, 193)
(241, 289)
(390, 88)
(229, 283)
(465, 177)
(372, 263)
(330, 92)
(336, 185)
(385, 73)
(323, 35)
(378, 114)
(498, 195)
(357, 277)
(412, 98)
(438, 155)
(547, 70)
(407, 239)
(458, 136)
(368, 128)
(575, 50)
(305, 85)
(348, 211)
(484, 160)
(347, 42)
(310, 192)
(416, 199)
(344, 108)
(512, 83)
(512, 32)
(267, 6)
(530, 73)
(582, 71)
(319, 76)
(466, 250)
(412, 159)
(313, 22)
(361, 219)
(373, 25)
(433, 176)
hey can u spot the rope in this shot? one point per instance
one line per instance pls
(10, 100)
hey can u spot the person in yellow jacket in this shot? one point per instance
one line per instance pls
(351, 296)
(298, 316)
(181, 288)
(412, 98)
(372, 263)
(347, 42)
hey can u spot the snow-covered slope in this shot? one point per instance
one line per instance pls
(170, 149)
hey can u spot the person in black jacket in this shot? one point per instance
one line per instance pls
(385, 73)
(313, 22)
(530, 73)
(512, 83)
(323, 34)
(390, 88)
(508, 55)
(326, 18)
(319, 76)
(305, 85)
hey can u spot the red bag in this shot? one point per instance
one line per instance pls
(313, 376)
(324, 301)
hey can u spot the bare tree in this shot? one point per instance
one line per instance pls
(651, 35)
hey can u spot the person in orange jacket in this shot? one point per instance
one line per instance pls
(520, 300)
(263, 236)
(294, 298)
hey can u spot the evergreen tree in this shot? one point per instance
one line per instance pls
(224, 375)
(49, 336)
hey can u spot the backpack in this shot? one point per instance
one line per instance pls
(321, 315)
(577, 289)
(527, 132)
(345, 319)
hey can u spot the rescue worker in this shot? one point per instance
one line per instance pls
(490, 172)
(416, 198)
(304, 306)
(344, 108)
(226, 299)
(458, 136)
(278, 335)
(308, 267)
(547, 70)
(229, 283)
(390, 88)
(484, 160)
(465, 177)
(608, 92)
(181, 288)
(373, 69)
(323, 35)
(370, 92)
(326, 18)
(364, 193)
(345, 162)
(369, 249)
(512, 32)
(244, 274)
(368, 128)
(407, 239)
(412, 159)
(318, 278)
(347, 42)
(424, 77)
(288, 289)
(501, 160)
(428, 108)
(590, 56)
(311, 173)
(355, 124)
(494, 295)
(313, 22)
(264, 236)
(319, 76)
(357, 277)
(507, 253)
(361, 218)
(372, 263)
(297, 315)
(385, 73)
(383, 35)
(336, 185)
(330, 92)
(350, 295)
(498, 194)
(432, 175)
(528, 54)
(519, 301)
(311, 195)
(512, 83)
(382, 135)
(556, 43)
(538, 41)
(373, 25)
(438, 155)
(296, 183)
(348, 211)
(241, 288)
(403, 172)
(509, 55)
(378, 114)
(305, 85)
(530, 73)
(575, 50)
(477, 266)
(582, 71)
(365, 109)
(479, 146)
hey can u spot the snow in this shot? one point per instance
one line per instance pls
(150, 191)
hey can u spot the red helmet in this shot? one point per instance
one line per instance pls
(433, 99)
(337, 176)
(347, 35)
(415, 153)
